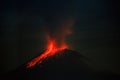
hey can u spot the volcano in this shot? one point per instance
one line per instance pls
(64, 65)
(58, 61)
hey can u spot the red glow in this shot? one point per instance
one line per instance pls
(52, 48)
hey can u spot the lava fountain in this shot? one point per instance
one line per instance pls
(55, 42)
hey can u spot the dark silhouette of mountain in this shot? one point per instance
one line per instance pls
(65, 65)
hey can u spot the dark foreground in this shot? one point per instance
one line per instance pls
(67, 65)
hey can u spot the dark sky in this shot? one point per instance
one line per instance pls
(95, 33)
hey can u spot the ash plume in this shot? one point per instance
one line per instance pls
(58, 29)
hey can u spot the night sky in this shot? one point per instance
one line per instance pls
(95, 32)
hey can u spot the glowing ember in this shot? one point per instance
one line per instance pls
(52, 48)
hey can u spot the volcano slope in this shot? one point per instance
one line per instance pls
(65, 65)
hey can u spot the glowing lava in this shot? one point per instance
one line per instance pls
(55, 39)
(52, 48)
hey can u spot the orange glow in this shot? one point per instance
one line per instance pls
(52, 48)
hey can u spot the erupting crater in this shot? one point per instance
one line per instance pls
(52, 48)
